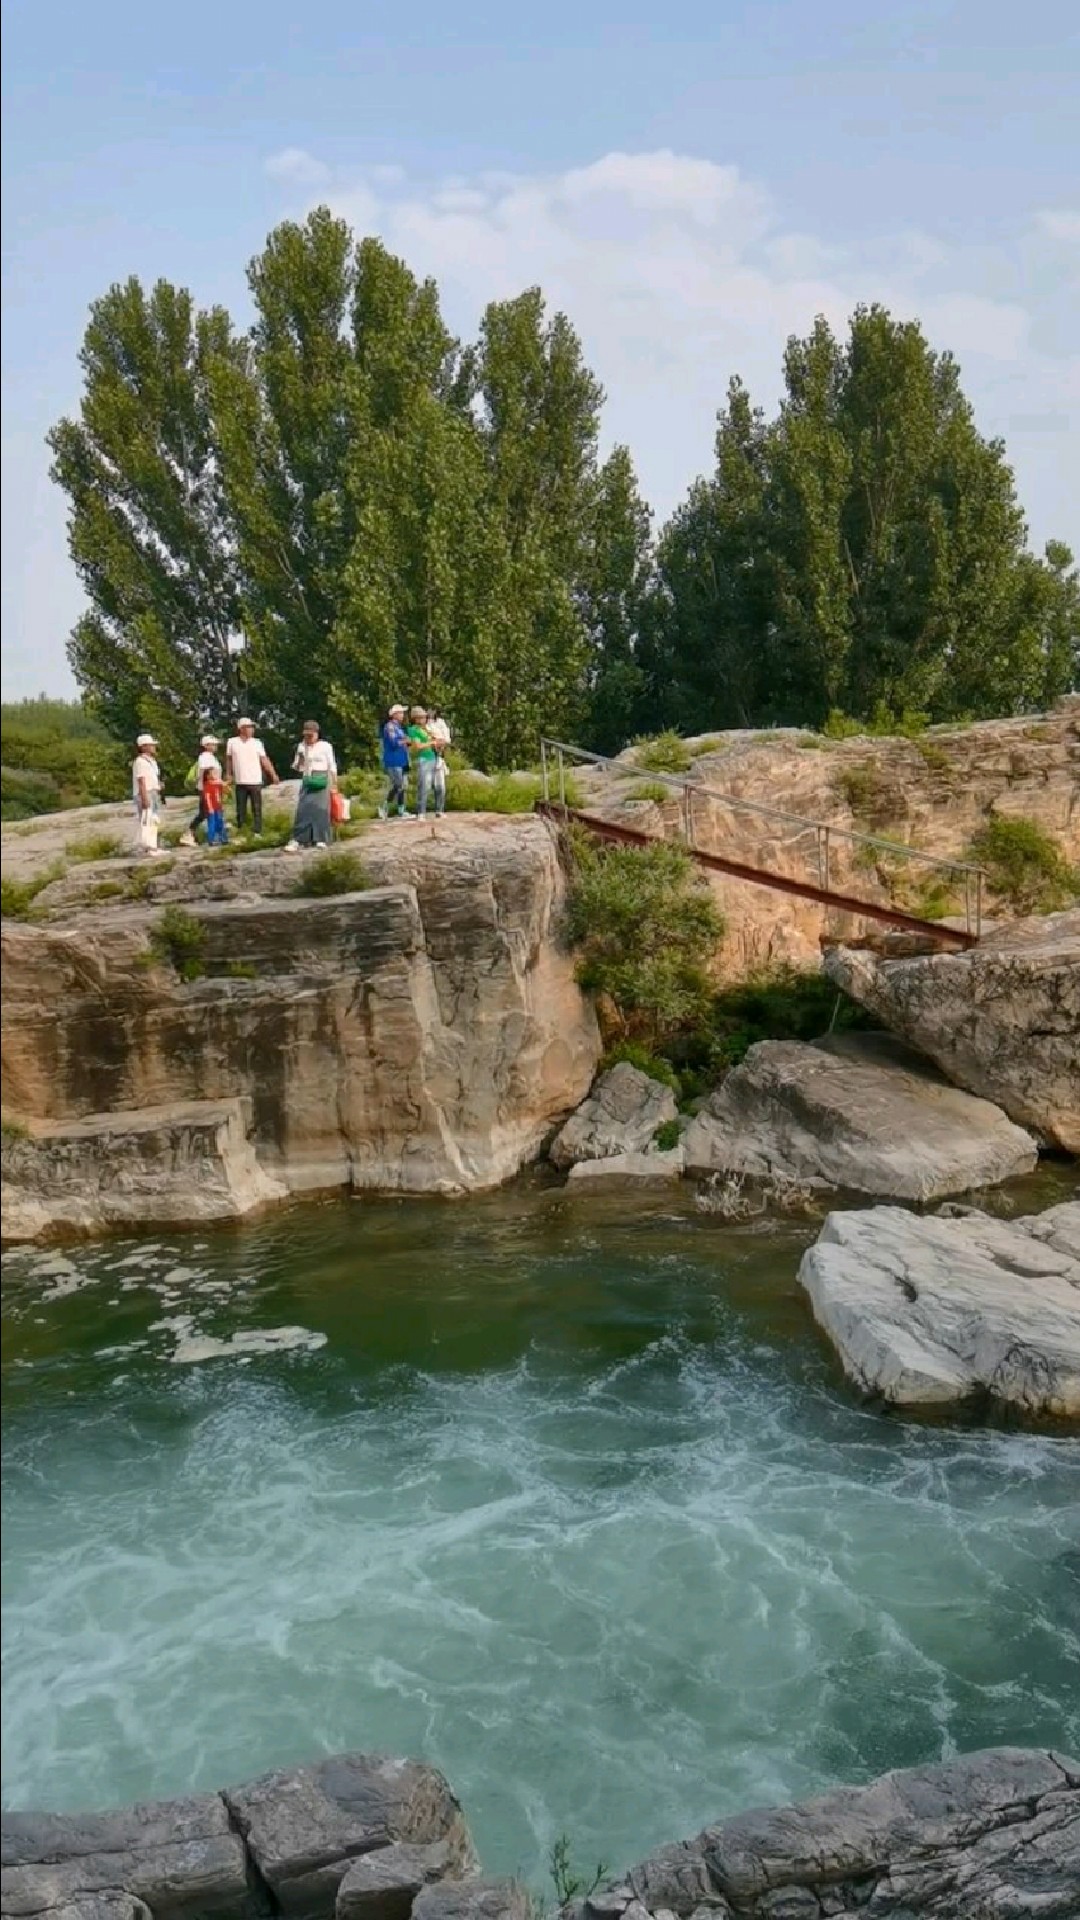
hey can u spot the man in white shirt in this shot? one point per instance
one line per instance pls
(146, 792)
(439, 735)
(246, 762)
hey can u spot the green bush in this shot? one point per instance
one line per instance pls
(645, 926)
(652, 790)
(713, 743)
(179, 940)
(883, 724)
(662, 753)
(780, 1003)
(337, 872)
(55, 755)
(1024, 865)
(667, 1136)
(17, 896)
(865, 790)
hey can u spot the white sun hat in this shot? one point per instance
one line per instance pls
(209, 740)
(244, 721)
(146, 740)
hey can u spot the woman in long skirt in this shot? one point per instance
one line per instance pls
(315, 763)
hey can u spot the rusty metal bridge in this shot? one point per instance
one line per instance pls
(821, 836)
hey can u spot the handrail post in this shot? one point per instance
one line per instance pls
(825, 882)
(544, 771)
(978, 902)
(688, 816)
(562, 781)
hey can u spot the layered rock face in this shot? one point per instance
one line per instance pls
(936, 1312)
(993, 1834)
(421, 1036)
(282, 1844)
(1002, 1020)
(933, 792)
(859, 1112)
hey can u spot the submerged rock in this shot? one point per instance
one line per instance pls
(993, 1833)
(934, 1312)
(857, 1112)
(629, 1169)
(620, 1116)
(1002, 1020)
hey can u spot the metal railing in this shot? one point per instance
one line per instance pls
(555, 753)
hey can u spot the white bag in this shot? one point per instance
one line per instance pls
(148, 831)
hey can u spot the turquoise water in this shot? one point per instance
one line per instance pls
(575, 1505)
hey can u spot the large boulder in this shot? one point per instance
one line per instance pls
(621, 1115)
(1002, 1020)
(995, 1833)
(859, 1112)
(283, 1844)
(422, 1035)
(933, 1312)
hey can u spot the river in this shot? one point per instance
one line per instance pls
(569, 1499)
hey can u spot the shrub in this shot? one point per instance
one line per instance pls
(96, 846)
(883, 724)
(667, 1136)
(935, 758)
(646, 927)
(1024, 865)
(652, 790)
(333, 873)
(662, 753)
(179, 940)
(864, 789)
(56, 755)
(714, 743)
(17, 896)
(780, 1003)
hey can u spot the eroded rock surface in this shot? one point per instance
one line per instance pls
(1002, 1020)
(423, 1035)
(932, 1312)
(991, 1836)
(283, 1844)
(859, 1112)
(620, 1116)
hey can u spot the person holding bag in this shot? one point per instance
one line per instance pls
(315, 763)
(146, 793)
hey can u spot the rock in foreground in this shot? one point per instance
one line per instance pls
(935, 1312)
(992, 1836)
(621, 1115)
(859, 1112)
(1002, 1020)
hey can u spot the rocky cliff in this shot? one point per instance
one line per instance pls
(421, 1035)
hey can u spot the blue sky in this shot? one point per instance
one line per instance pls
(690, 183)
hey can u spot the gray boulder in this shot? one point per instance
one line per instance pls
(620, 1115)
(473, 1900)
(859, 1112)
(1002, 1020)
(383, 1885)
(933, 1312)
(629, 1170)
(992, 1834)
(181, 1858)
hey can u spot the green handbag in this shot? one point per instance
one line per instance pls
(315, 782)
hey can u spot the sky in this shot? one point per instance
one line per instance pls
(690, 183)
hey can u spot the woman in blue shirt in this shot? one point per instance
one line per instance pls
(395, 759)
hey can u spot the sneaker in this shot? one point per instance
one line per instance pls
(381, 815)
(291, 846)
(321, 846)
(186, 839)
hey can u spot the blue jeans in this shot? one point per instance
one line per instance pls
(395, 788)
(431, 779)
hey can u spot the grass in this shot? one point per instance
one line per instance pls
(662, 753)
(96, 846)
(713, 744)
(13, 1131)
(1024, 865)
(337, 872)
(654, 790)
(936, 759)
(179, 940)
(17, 897)
(240, 970)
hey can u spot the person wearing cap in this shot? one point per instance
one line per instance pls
(209, 783)
(246, 763)
(395, 759)
(146, 793)
(314, 761)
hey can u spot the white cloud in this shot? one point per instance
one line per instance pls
(1061, 224)
(298, 166)
(679, 272)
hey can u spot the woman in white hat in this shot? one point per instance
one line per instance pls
(146, 793)
(207, 770)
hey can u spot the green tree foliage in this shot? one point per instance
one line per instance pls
(147, 524)
(646, 927)
(345, 506)
(862, 551)
(56, 754)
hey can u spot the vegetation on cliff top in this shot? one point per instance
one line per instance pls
(1025, 866)
(646, 928)
(345, 503)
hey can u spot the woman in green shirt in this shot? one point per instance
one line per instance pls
(421, 743)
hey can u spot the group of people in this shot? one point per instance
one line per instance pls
(247, 767)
